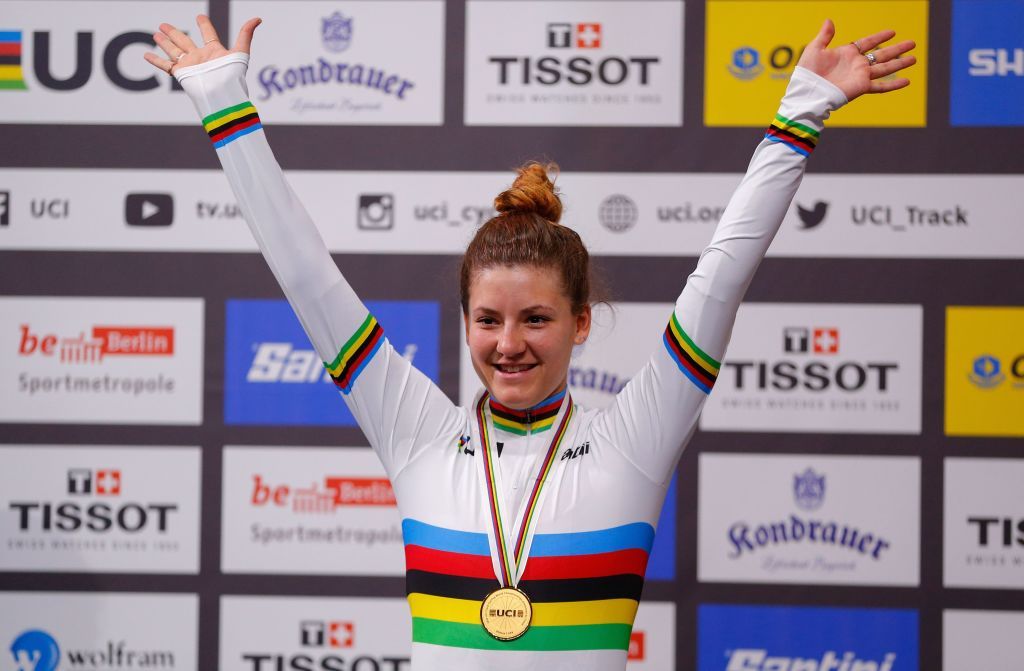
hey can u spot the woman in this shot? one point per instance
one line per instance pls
(516, 557)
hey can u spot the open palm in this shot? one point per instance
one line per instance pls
(848, 66)
(182, 51)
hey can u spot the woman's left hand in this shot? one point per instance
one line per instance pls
(850, 69)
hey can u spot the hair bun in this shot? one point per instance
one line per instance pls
(533, 191)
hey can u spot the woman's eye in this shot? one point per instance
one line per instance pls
(486, 321)
(537, 319)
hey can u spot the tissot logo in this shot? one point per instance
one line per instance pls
(320, 634)
(612, 70)
(376, 211)
(102, 342)
(813, 216)
(1005, 532)
(149, 209)
(78, 515)
(800, 340)
(334, 492)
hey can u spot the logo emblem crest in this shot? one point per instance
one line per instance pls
(336, 32)
(809, 490)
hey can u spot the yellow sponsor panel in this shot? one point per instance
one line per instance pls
(985, 371)
(752, 47)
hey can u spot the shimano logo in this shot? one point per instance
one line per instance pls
(758, 660)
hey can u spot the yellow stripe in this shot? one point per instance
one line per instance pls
(355, 346)
(605, 611)
(213, 125)
(795, 131)
(689, 350)
(11, 72)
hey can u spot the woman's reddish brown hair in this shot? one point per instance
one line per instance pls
(526, 232)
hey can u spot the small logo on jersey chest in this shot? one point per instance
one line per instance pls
(464, 446)
(578, 451)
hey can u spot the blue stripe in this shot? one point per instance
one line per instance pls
(682, 366)
(426, 535)
(776, 138)
(636, 536)
(369, 357)
(10, 36)
(234, 136)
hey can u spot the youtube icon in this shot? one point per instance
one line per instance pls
(149, 209)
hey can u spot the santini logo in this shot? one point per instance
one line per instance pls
(758, 660)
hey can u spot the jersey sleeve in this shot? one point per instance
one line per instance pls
(397, 407)
(655, 415)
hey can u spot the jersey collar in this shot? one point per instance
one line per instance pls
(535, 419)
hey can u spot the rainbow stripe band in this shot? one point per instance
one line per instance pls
(695, 364)
(798, 137)
(11, 75)
(231, 123)
(585, 586)
(355, 354)
(537, 419)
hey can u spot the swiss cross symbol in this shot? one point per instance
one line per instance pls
(826, 341)
(108, 482)
(636, 646)
(320, 633)
(588, 35)
(341, 634)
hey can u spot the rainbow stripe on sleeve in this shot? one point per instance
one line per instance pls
(355, 354)
(585, 587)
(798, 137)
(695, 364)
(231, 123)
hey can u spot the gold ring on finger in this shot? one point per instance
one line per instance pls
(857, 47)
(212, 39)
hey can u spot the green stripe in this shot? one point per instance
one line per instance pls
(711, 362)
(552, 455)
(794, 124)
(499, 533)
(225, 112)
(12, 84)
(367, 323)
(510, 428)
(569, 637)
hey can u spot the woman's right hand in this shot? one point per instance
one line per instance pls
(182, 51)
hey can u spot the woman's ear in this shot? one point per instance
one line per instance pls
(583, 321)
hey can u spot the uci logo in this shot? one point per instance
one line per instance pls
(37, 57)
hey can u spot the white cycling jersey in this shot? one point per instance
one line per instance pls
(602, 497)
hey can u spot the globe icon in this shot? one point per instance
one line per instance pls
(618, 213)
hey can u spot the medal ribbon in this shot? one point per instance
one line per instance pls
(511, 562)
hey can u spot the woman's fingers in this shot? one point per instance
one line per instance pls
(892, 51)
(895, 65)
(206, 29)
(868, 43)
(168, 47)
(886, 85)
(825, 35)
(244, 41)
(157, 62)
(178, 38)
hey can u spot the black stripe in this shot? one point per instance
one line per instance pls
(359, 350)
(782, 131)
(10, 60)
(686, 355)
(626, 586)
(518, 416)
(231, 124)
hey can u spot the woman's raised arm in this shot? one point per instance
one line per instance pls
(383, 390)
(657, 411)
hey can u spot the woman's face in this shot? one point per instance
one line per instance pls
(521, 330)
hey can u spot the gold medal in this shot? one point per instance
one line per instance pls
(506, 613)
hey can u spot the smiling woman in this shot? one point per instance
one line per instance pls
(527, 520)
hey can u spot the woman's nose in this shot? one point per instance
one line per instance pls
(510, 342)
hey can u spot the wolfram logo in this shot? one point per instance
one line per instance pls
(99, 516)
(35, 650)
(336, 32)
(758, 660)
(336, 36)
(614, 70)
(746, 63)
(809, 492)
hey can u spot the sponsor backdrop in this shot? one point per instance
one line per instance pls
(182, 488)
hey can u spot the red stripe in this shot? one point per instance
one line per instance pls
(491, 493)
(548, 459)
(522, 413)
(217, 137)
(10, 48)
(632, 561)
(701, 374)
(789, 139)
(353, 365)
(419, 558)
